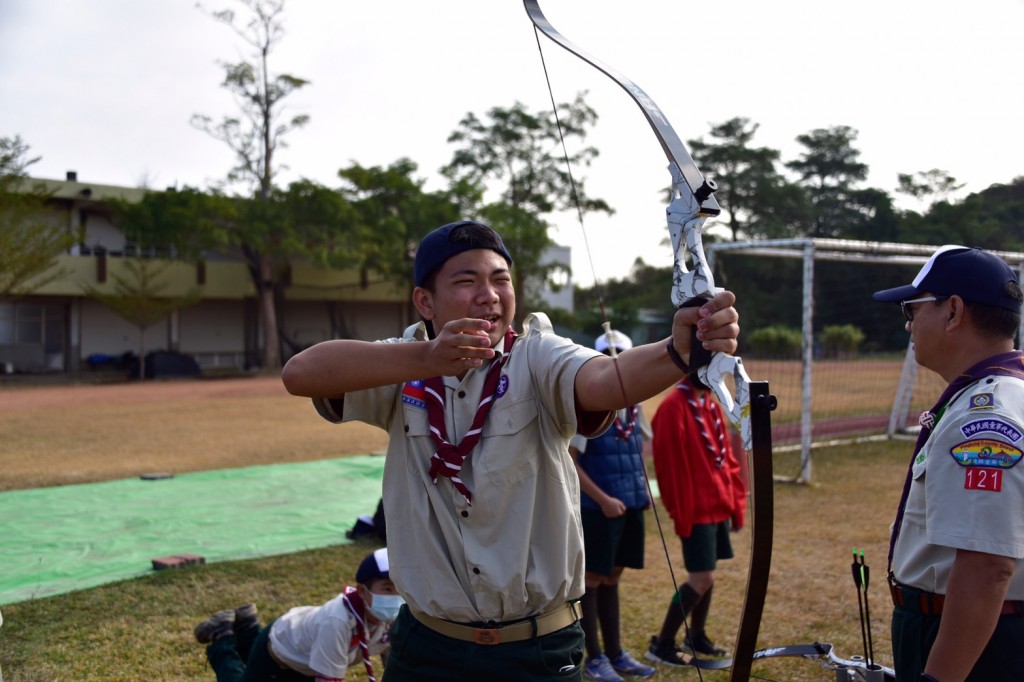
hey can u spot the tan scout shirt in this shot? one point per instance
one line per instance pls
(518, 549)
(968, 488)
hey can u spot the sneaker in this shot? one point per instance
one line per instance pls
(600, 668)
(702, 645)
(246, 618)
(666, 653)
(625, 664)
(216, 626)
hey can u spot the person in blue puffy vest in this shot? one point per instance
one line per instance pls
(613, 497)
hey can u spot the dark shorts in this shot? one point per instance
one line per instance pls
(708, 542)
(613, 542)
(913, 634)
(419, 654)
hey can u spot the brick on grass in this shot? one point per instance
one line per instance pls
(177, 561)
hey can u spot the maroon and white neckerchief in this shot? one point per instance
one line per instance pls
(625, 431)
(448, 459)
(354, 603)
(700, 400)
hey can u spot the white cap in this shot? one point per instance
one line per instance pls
(618, 339)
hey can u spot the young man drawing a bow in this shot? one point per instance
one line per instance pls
(480, 493)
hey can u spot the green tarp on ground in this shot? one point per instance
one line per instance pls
(55, 540)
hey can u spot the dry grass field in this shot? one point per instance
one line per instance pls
(55, 435)
(141, 629)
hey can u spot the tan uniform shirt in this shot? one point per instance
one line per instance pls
(518, 549)
(968, 488)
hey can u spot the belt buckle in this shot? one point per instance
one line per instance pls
(486, 636)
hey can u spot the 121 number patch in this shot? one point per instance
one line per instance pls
(983, 479)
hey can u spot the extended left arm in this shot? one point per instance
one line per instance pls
(647, 370)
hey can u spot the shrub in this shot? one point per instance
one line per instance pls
(841, 341)
(775, 341)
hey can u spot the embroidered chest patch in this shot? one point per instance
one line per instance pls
(986, 453)
(997, 426)
(412, 394)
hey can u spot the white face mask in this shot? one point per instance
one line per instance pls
(384, 607)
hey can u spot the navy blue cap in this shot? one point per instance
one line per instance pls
(451, 239)
(970, 273)
(374, 566)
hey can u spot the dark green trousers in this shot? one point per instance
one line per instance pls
(914, 633)
(245, 658)
(419, 654)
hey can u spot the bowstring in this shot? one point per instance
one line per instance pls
(638, 442)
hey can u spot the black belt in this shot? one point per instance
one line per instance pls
(930, 604)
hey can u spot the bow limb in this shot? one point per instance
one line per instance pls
(691, 204)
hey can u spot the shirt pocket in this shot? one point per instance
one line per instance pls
(918, 469)
(416, 423)
(511, 444)
(419, 446)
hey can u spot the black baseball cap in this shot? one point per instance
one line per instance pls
(970, 273)
(451, 239)
(374, 567)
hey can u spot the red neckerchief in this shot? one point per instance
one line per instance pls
(625, 431)
(357, 608)
(448, 459)
(1009, 364)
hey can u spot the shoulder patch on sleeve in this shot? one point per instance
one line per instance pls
(987, 453)
(997, 426)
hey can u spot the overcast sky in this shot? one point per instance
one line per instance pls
(107, 88)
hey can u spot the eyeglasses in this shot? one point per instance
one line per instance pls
(908, 312)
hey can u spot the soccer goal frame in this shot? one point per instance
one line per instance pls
(814, 250)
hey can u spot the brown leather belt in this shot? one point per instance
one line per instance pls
(502, 633)
(930, 604)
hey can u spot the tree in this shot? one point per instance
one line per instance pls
(934, 185)
(990, 219)
(29, 241)
(830, 169)
(517, 157)
(759, 201)
(139, 298)
(185, 222)
(255, 136)
(393, 213)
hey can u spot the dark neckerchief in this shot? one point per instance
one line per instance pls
(448, 459)
(1009, 364)
(354, 603)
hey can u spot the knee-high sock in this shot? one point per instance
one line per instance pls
(682, 603)
(589, 622)
(608, 615)
(699, 615)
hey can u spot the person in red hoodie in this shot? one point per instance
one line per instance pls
(702, 489)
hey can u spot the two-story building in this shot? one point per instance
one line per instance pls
(60, 328)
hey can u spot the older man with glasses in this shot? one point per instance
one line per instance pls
(957, 545)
